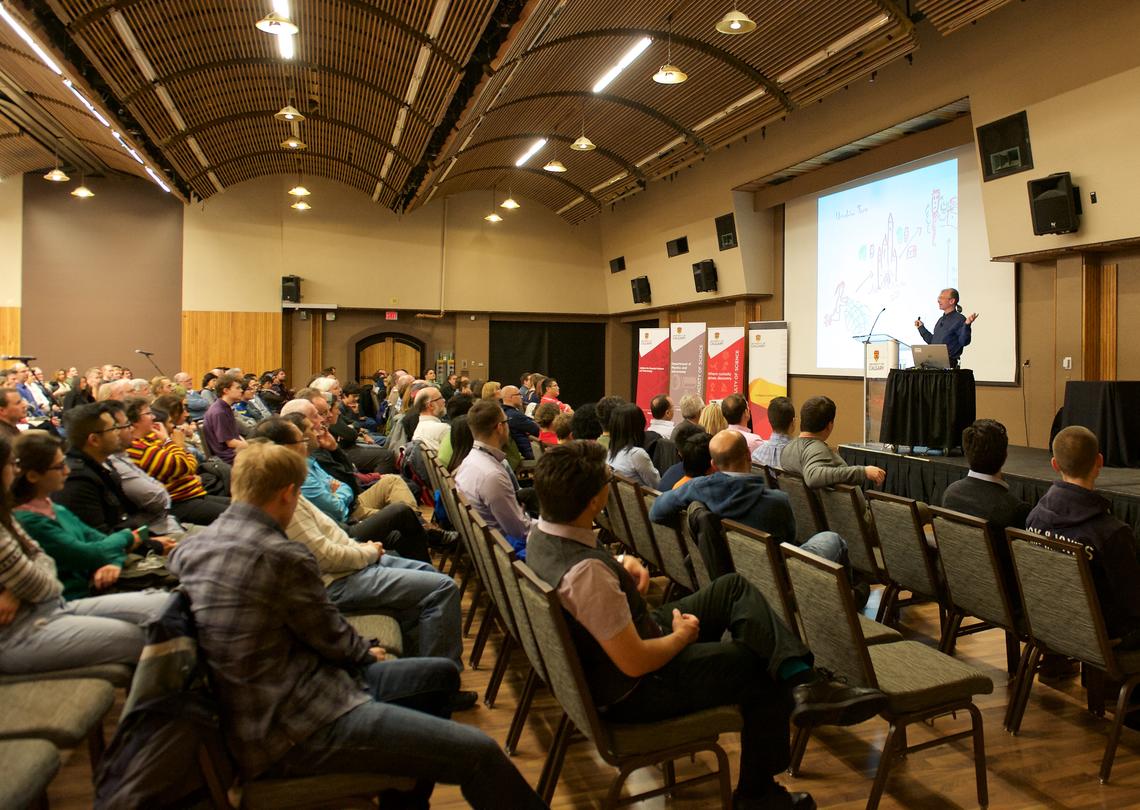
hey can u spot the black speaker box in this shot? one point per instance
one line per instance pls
(1054, 204)
(617, 265)
(704, 276)
(291, 289)
(675, 247)
(640, 287)
(726, 231)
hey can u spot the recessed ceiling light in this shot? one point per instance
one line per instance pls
(289, 113)
(583, 144)
(301, 205)
(277, 24)
(735, 22)
(554, 166)
(56, 175)
(299, 191)
(529, 153)
(670, 74)
(625, 61)
(293, 142)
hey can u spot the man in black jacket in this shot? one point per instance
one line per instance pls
(521, 426)
(93, 491)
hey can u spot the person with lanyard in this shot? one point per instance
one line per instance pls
(953, 328)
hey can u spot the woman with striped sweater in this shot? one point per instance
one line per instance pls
(39, 631)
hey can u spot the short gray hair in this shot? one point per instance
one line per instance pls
(691, 406)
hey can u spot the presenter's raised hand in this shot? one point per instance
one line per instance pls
(972, 317)
(918, 323)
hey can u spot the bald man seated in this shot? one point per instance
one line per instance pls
(734, 492)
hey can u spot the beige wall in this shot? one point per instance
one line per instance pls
(11, 238)
(353, 253)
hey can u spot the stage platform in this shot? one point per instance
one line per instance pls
(1027, 471)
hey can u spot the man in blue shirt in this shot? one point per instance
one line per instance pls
(953, 328)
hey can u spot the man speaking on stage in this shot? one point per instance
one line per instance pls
(953, 328)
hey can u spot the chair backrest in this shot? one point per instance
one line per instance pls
(432, 464)
(756, 557)
(670, 546)
(974, 582)
(474, 545)
(566, 679)
(494, 581)
(1062, 609)
(827, 610)
(769, 478)
(503, 558)
(536, 448)
(704, 541)
(617, 522)
(843, 508)
(637, 519)
(805, 506)
(906, 556)
(447, 493)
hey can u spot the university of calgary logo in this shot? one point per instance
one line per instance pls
(876, 354)
(679, 330)
(646, 336)
(716, 335)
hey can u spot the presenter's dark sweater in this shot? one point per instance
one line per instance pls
(952, 330)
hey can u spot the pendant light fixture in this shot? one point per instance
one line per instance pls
(555, 166)
(289, 113)
(277, 24)
(56, 175)
(82, 192)
(509, 203)
(299, 190)
(670, 73)
(583, 144)
(493, 217)
(735, 22)
(294, 143)
(301, 205)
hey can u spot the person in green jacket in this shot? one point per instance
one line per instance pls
(88, 561)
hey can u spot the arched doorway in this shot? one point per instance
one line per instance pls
(388, 351)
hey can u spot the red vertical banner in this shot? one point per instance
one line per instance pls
(652, 366)
(726, 362)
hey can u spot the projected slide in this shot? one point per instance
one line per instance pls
(891, 243)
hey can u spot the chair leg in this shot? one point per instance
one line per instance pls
(1117, 723)
(521, 711)
(96, 745)
(1095, 689)
(725, 774)
(1015, 685)
(890, 745)
(1026, 687)
(613, 795)
(950, 629)
(887, 605)
(474, 606)
(501, 664)
(484, 633)
(799, 747)
(1012, 652)
(552, 768)
(979, 755)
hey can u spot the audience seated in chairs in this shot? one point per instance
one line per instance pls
(661, 413)
(644, 665)
(13, 413)
(522, 427)
(712, 419)
(696, 460)
(163, 456)
(364, 576)
(735, 410)
(627, 455)
(358, 446)
(1072, 510)
(286, 666)
(430, 429)
(147, 496)
(810, 457)
(605, 409)
(88, 561)
(563, 428)
(544, 416)
(551, 392)
(219, 425)
(584, 422)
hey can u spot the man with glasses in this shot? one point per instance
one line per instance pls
(145, 495)
(430, 430)
(521, 426)
(484, 479)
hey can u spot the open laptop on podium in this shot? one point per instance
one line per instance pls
(933, 356)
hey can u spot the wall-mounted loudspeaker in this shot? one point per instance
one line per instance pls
(617, 265)
(1054, 204)
(291, 289)
(726, 231)
(640, 287)
(675, 247)
(704, 276)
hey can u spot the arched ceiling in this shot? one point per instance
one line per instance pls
(412, 100)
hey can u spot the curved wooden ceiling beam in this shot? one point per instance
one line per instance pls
(538, 172)
(94, 15)
(267, 61)
(613, 156)
(307, 154)
(719, 54)
(177, 138)
(645, 109)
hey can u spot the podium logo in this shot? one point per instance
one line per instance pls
(646, 336)
(876, 354)
(716, 335)
(679, 330)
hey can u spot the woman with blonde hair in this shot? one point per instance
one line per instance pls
(490, 390)
(712, 419)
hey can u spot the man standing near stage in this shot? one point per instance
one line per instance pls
(953, 328)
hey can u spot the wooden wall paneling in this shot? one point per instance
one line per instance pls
(1108, 321)
(10, 331)
(248, 340)
(316, 342)
(1090, 315)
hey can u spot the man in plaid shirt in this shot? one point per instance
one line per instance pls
(285, 664)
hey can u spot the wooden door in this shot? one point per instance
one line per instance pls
(389, 354)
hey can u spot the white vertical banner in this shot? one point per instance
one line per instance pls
(767, 370)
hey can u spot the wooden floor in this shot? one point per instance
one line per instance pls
(1052, 763)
